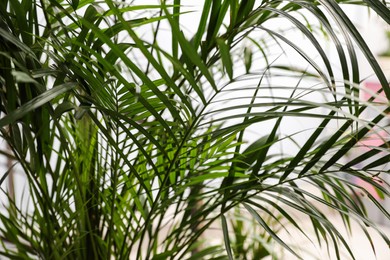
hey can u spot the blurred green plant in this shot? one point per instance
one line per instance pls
(129, 134)
(387, 52)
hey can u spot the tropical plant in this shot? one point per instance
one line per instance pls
(129, 135)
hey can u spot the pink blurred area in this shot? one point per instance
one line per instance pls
(376, 137)
(373, 139)
(369, 90)
(369, 187)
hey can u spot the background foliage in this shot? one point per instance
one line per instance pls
(129, 136)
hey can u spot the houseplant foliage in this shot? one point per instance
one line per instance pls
(133, 137)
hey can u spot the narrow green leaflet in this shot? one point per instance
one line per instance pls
(226, 57)
(35, 103)
(226, 237)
